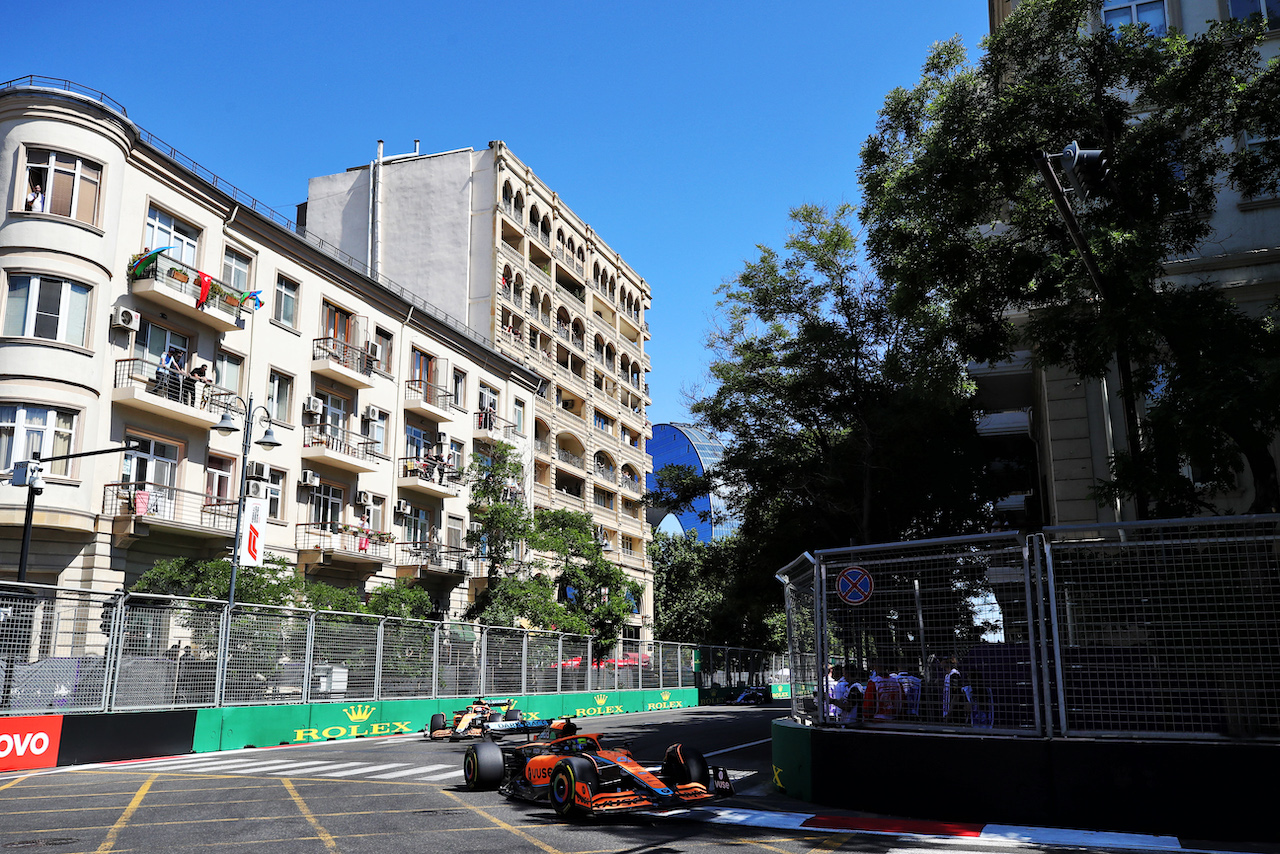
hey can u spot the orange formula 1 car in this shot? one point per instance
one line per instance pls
(580, 778)
(473, 721)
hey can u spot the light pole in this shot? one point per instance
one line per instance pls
(226, 427)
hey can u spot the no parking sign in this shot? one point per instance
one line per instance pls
(854, 585)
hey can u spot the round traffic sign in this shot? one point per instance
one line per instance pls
(854, 585)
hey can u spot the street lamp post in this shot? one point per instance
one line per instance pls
(226, 427)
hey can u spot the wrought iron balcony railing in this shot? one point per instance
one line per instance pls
(158, 502)
(340, 441)
(343, 353)
(343, 537)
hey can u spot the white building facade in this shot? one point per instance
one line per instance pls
(480, 235)
(371, 390)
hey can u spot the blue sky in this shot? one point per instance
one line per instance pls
(682, 132)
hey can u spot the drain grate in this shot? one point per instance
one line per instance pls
(40, 843)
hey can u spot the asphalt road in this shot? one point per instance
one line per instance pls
(400, 794)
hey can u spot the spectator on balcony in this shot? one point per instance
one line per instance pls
(197, 375)
(35, 199)
(169, 374)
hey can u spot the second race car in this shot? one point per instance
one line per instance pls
(579, 777)
(473, 721)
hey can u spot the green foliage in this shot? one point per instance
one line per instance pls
(528, 602)
(325, 597)
(273, 583)
(960, 224)
(503, 521)
(402, 599)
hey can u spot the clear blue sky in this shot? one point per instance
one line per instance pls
(683, 132)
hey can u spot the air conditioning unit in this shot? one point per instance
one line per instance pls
(374, 349)
(256, 471)
(313, 406)
(403, 508)
(309, 478)
(474, 526)
(364, 498)
(569, 404)
(442, 438)
(124, 318)
(371, 413)
(255, 489)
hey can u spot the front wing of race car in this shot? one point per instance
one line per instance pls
(625, 786)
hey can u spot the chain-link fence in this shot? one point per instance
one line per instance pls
(70, 650)
(1155, 628)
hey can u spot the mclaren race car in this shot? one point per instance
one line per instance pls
(473, 721)
(579, 777)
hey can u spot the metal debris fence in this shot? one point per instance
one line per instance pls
(69, 650)
(1151, 629)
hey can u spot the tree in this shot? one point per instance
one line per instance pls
(963, 230)
(402, 599)
(273, 583)
(501, 520)
(840, 423)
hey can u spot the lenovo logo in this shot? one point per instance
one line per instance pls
(29, 742)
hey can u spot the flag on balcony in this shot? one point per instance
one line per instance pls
(206, 282)
(256, 296)
(146, 259)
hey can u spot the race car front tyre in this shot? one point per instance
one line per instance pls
(566, 776)
(437, 724)
(482, 766)
(511, 715)
(684, 765)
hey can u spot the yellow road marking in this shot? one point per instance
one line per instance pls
(311, 819)
(834, 842)
(502, 824)
(123, 820)
(14, 782)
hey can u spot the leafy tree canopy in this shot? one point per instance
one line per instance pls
(962, 228)
(501, 519)
(273, 583)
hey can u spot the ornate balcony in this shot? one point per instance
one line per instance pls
(175, 286)
(142, 508)
(431, 560)
(428, 399)
(428, 477)
(350, 543)
(341, 361)
(341, 449)
(144, 386)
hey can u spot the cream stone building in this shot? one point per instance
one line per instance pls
(371, 389)
(478, 234)
(1066, 428)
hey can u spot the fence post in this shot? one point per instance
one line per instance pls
(435, 660)
(115, 648)
(224, 647)
(524, 663)
(308, 657)
(1052, 623)
(560, 662)
(484, 658)
(377, 661)
(589, 663)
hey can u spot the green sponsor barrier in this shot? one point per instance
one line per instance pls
(792, 763)
(780, 690)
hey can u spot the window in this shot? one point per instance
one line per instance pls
(517, 413)
(217, 479)
(226, 371)
(152, 342)
(459, 388)
(280, 396)
(375, 429)
(1258, 9)
(455, 455)
(326, 504)
(382, 338)
(454, 533)
(285, 308)
(337, 323)
(177, 238)
(1117, 13)
(603, 498)
(28, 428)
(235, 271)
(420, 366)
(416, 524)
(418, 443)
(62, 184)
(275, 494)
(333, 413)
(375, 513)
(603, 422)
(47, 307)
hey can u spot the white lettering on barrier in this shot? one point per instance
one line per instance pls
(36, 742)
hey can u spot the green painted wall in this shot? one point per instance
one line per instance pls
(792, 760)
(232, 728)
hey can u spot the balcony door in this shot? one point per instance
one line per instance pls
(153, 470)
(337, 324)
(326, 506)
(333, 415)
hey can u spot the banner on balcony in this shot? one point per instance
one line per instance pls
(251, 545)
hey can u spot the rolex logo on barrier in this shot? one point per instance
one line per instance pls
(358, 713)
(667, 703)
(600, 708)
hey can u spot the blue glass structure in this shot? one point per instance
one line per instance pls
(687, 445)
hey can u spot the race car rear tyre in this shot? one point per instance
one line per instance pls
(482, 766)
(511, 715)
(566, 776)
(437, 724)
(494, 717)
(684, 765)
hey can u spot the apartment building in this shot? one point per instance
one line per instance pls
(1061, 429)
(145, 299)
(480, 235)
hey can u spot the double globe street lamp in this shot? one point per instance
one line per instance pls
(226, 427)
